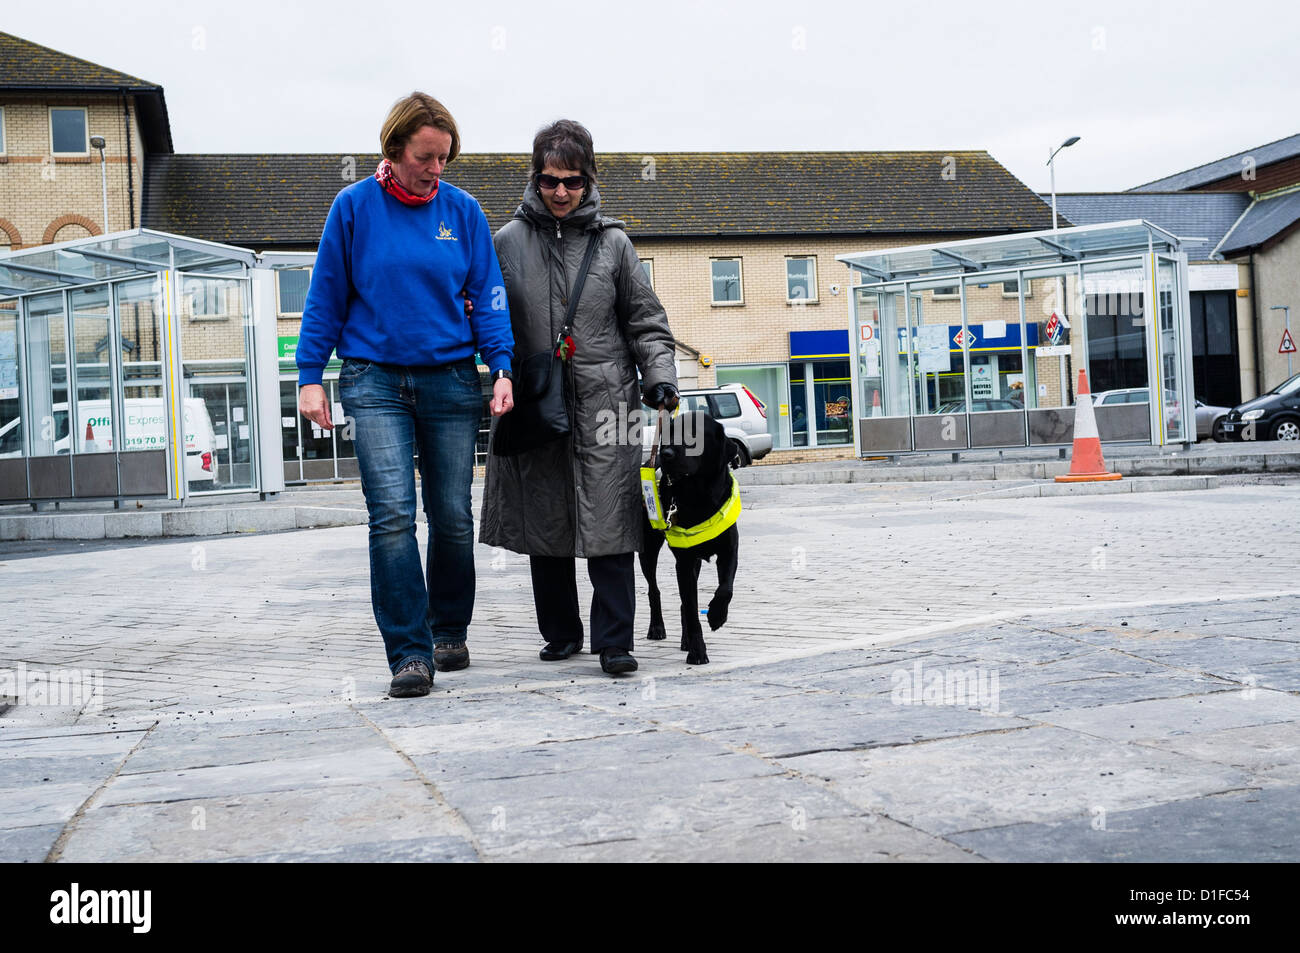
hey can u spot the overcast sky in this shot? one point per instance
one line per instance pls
(1151, 87)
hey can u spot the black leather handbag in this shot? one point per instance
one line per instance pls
(542, 413)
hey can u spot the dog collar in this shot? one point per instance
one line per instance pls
(679, 537)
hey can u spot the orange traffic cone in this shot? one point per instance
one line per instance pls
(876, 410)
(90, 439)
(1086, 463)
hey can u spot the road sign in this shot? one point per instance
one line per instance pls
(1288, 343)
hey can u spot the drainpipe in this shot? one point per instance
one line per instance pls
(1259, 331)
(130, 178)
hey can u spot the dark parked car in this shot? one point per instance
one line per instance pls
(1275, 415)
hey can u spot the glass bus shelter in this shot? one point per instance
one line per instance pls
(129, 368)
(978, 344)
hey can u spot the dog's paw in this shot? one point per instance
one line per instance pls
(700, 657)
(656, 632)
(717, 615)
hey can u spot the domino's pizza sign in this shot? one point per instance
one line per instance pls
(1053, 329)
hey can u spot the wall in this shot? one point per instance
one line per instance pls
(47, 199)
(1278, 281)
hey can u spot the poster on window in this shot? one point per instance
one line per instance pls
(8, 365)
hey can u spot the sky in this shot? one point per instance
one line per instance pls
(1152, 88)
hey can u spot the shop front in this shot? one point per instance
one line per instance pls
(809, 398)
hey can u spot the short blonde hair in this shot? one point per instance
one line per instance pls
(408, 116)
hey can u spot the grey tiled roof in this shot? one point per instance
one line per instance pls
(1207, 215)
(1265, 219)
(25, 65)
(28, 65)
(1223, 168)
(264, 200)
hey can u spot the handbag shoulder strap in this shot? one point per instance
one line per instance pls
(577, 285)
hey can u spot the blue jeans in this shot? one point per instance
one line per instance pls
(397, 412)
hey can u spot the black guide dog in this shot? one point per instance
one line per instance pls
(697, 459)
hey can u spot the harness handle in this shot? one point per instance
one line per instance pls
(659, 430)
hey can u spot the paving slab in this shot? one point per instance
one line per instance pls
(1036, 774)
(342, 821)
(1193, 831)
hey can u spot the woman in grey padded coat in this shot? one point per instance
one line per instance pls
(579, 496)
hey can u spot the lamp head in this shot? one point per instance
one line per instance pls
(98, 142)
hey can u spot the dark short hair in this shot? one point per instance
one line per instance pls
(408, 116)
(566, 144)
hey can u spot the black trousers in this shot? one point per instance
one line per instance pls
(613, 602)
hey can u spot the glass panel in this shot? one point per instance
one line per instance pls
(882, 354)
(47, 371)
(289, 430)
(11, 425)
(1050, 318)
(726, 280)
(1117, 344)
(993, 321)
(768, 384)
(68, 130)
(1170, 352)
(832, 402)
(91, 340)
(940, 383)
(798, 405)
(214, 353)
(138, 320)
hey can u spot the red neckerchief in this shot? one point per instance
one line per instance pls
(388, 182)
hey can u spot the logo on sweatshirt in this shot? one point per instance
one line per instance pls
(444, 233)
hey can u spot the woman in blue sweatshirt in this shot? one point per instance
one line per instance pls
(400, 255)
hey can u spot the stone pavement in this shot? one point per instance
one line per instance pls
(903, 678)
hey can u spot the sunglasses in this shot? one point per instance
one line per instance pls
(571, 182)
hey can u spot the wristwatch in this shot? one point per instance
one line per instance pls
(502, 375)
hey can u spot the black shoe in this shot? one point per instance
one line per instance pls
(615, 661)
(559, 651)
(450, 656)
(412, 680)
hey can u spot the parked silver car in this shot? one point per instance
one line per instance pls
(742, 415)
(1209, 419)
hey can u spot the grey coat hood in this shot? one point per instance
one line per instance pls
(579, 496)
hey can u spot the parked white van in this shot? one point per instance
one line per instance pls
(146, 429)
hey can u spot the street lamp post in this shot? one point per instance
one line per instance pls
(1060, 291)
(98, 142)
(1051, 166)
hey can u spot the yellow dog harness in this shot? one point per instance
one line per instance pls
(680, 537)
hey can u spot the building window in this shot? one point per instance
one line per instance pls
(726, 281)
(800, 279)
(1011, 289)
(207, 299)
(293, 284)
(648, 266)
(68, 136)
(948, 291)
